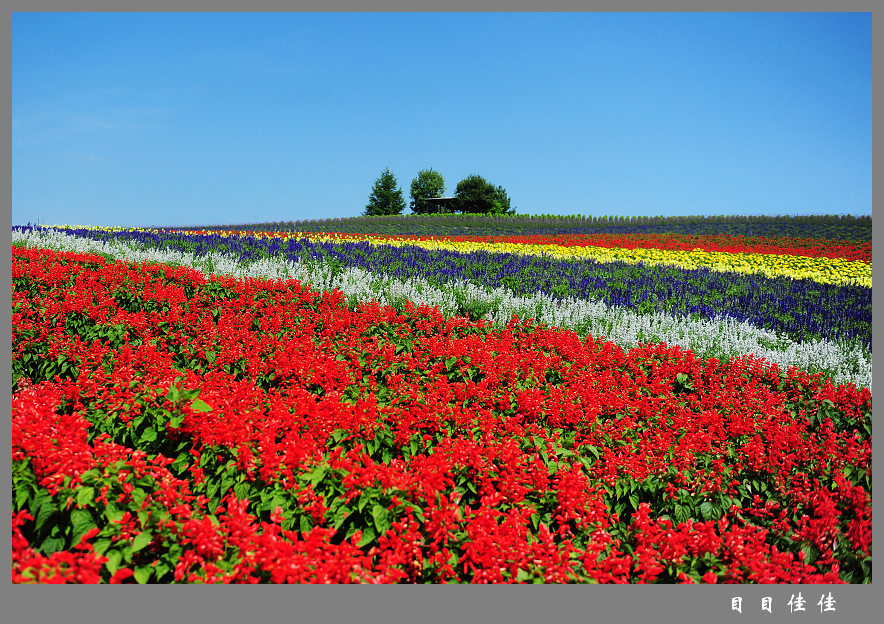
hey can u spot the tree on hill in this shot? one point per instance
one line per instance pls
(428, 183)
(476, 195)
(386, 197)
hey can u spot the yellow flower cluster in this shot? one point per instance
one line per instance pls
(97, 228)
(822, 270)
(101, 228)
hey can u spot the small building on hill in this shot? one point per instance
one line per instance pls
(445, 204)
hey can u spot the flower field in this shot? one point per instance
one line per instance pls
(833, 264)
(817, 227)
(251, 407)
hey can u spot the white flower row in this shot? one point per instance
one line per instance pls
(723, 338)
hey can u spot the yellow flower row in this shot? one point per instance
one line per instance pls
(102, 228)
(822, 270)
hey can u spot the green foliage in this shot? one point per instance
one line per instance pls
(153, 429)
(386, 196)
(100, 501)
(428, 183)
(476, 195)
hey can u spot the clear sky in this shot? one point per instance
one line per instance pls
(185, 119)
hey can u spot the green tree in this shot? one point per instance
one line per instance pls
(428, 183)
(386, 197)
(476, 195)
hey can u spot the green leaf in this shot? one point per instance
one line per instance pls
(633, 500)
(138, 493)
(85, 495)
(46, 510)
(142, 574)
(380, 516)
(341, 517)
(810, 553)
(161, 570)
(707, 510)
(149, 435)
(90, 474)
(182, 460)
(318, 474)
(176, 420)
(112, 512)
(368, 536)
(141, 540)
(52, 545)
(136, 422)
(113, 561)
(81, 521)
(200, 406)
(242, 490)
(101, 545)
(21, 498)
(211, 488)
(190, 394)
(277, 500)
(127, 553)
(226, 484)
(682, 513)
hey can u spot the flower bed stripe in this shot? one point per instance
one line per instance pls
(722, 338)
(824, 270)
(813, 248)
(826, 262)
(799, 309)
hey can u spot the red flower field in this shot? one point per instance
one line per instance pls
(168, 427)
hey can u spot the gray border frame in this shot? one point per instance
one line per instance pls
(135, 604)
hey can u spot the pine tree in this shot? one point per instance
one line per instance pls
(386, 196)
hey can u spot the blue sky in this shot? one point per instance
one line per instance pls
(185, 119)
